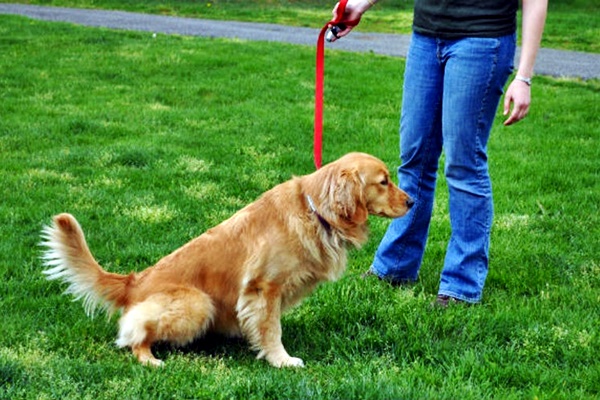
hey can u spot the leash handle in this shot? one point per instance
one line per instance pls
(318, 127)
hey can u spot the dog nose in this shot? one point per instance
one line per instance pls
(410, 202)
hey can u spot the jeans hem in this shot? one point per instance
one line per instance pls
(390, 278)
(460, 297)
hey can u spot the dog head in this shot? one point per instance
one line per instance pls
(359, 184)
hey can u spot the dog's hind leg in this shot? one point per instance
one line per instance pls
(177, 315)
(144, 355)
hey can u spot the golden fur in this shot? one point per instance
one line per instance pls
(238, 277)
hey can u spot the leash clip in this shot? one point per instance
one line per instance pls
(332, 33)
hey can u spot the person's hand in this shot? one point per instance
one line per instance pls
(519, 95)
(352, 14)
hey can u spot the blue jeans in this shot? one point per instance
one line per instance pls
(451, 93)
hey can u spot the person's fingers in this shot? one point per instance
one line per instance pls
(345, 31)
(507, 101)
(510, 120)
(518, 96)
(519, 111)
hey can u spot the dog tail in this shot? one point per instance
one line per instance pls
(69, 260)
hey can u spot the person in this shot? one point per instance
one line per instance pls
(460, 57)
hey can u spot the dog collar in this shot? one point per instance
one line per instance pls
(313, 209)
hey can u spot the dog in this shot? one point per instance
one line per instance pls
(239, 277)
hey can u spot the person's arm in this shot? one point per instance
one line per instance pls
(519, 91)
(354, 11)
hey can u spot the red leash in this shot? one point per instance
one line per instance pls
(318, 132)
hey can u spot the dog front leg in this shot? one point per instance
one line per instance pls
(259, 311)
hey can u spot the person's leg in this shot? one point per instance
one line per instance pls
(400, 252)
(476, 71)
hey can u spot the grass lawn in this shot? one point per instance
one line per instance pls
(571, 24)
(150, 141)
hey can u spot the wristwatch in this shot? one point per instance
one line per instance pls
(523, 79)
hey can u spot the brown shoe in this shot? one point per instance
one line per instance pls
(369, 273)
(444, 301)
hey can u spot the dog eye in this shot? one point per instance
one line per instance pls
(384, 182)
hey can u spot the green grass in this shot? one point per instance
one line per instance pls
(571, 24)
(151, 141)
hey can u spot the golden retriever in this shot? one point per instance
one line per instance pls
(238, 277)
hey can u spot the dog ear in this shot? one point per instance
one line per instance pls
(348, 198)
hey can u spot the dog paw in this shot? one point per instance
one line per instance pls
(294, 362)
(152, 362)
(288, 362)
(156, 363)
(281, 359)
